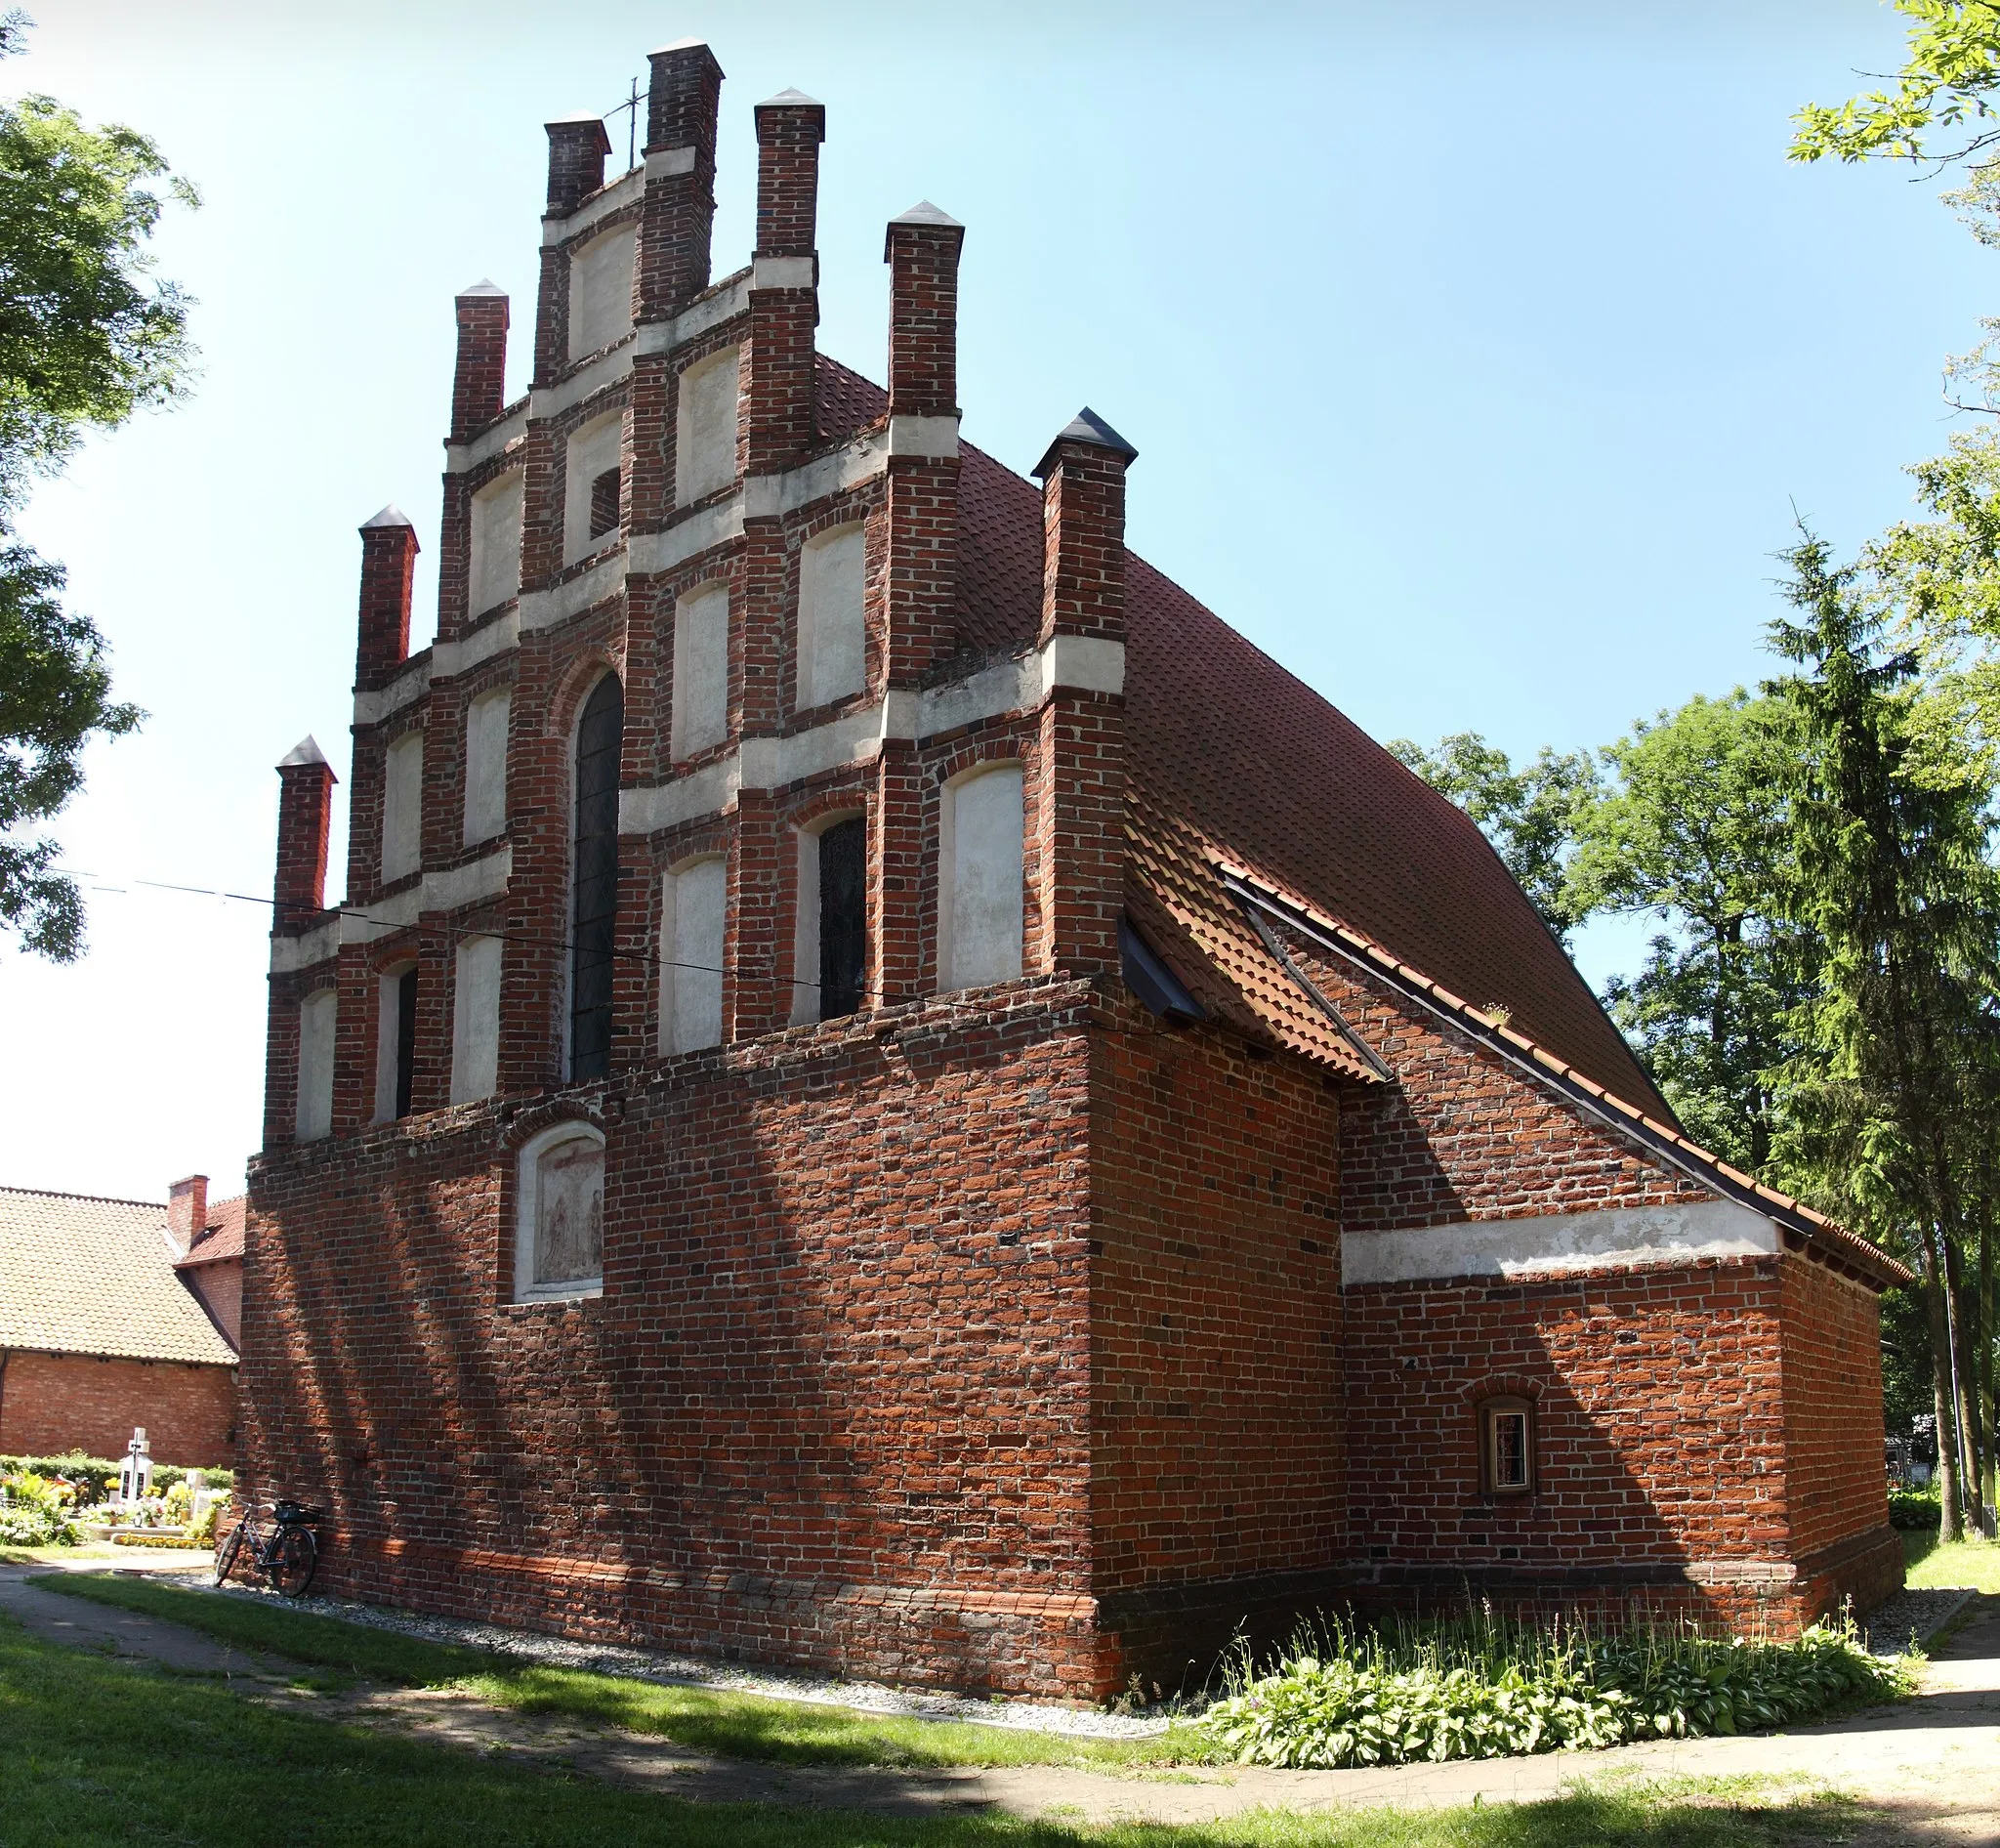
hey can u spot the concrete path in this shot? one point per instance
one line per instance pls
(1931, 1766)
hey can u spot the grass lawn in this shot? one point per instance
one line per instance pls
(95, 1752)
(705, 1719)
(1974, 1563)
(91, 1549)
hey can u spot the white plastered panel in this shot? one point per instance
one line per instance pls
(832, 632)
(495, 573)
(691, 925)
(705, 425)
(314, 1113)
(403, 808)
(981, 909)
(592, 449)
(475, 1019)
(600, 292)
(485, 767)
(701, 670)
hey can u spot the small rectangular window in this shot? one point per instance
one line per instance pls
(395, 1044)
(604, 504)
(1507, 1447)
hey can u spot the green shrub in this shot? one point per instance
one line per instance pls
(95, 1477)
(1489, 1687)
(1917, 1509)
(34, 1511)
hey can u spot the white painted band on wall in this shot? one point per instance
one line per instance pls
(615, 197)
(1611, 1238)
(450, 658)
(934, 437)
(781, 272)
(447, 890)
(490, 442)
(856, 737)
(664, 164)
(543, 609)
(650, 553)
(725, 300)
(410, 686)
(611, 367)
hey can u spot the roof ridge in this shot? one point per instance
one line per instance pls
(103, 1200)
(1561, 1068)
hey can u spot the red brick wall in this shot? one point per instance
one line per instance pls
(1463, 1133)
(219, 1286)
(53, 1402)
(832, 1405)
(1833, 1450)
(1215, 1334)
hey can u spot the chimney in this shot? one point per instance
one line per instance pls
(1083, 531)
(304, 807)
(478, 385)
(578, 147)
(922, 253)
(784, 300)
(679, 221)
(389, 558)
(187, 1210)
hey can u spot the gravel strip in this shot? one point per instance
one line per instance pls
(690, 1671)
(1921, 1615)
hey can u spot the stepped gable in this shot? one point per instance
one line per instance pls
(1234, 756)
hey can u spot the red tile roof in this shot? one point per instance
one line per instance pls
(222, 1238)
(1234, 756)
(86, 1276)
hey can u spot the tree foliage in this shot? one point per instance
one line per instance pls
(1939, 105)
(88, 337)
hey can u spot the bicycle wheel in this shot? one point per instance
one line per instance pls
(292, 1561)
(226, 1554)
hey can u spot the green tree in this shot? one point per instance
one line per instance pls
(1940, 107)
(1889, 1094)
(88, 337)
(1691, 828)
(1529, 814)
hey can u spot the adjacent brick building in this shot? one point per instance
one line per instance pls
(888, 1092)
(106, 1326)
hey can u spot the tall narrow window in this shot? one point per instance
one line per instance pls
(595, 902)
(403, 808)
(694, 913)
(980, 900)
(833, 651)
(842, 917)
(395, 1044)
(485, 767)
(317, 1020)
(475, 1019)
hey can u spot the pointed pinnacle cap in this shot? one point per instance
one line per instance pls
(791, 100)
(1086, 427)
(389, 516)
(925, 213)
(485, 285)
(303, 754)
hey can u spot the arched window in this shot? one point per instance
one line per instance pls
(558, 1242)
(594, 908)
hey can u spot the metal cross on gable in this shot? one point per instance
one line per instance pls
(629, 109)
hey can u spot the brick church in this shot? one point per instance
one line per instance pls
(889, 1093)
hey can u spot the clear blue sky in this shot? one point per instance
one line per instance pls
(1475, 355)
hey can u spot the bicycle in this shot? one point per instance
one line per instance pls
(287, 1556)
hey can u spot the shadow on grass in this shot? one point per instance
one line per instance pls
(94, 1752)
(704, 1719)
